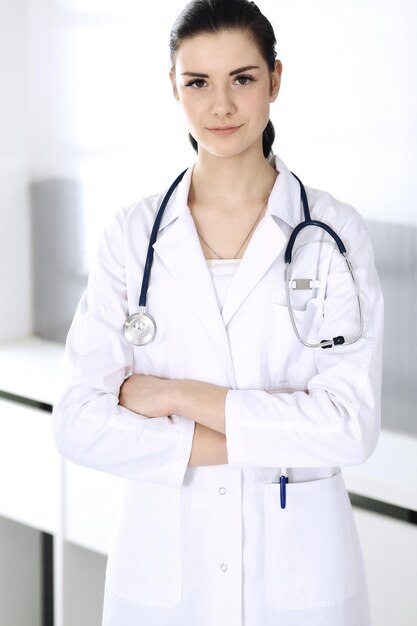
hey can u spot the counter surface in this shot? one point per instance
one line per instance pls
(31, 367)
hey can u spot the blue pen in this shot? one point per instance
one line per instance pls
(283, 479)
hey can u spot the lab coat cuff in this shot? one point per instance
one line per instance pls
(174, 454)
(233, 428)
(188, 427)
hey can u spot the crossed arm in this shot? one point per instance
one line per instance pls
(202, 402)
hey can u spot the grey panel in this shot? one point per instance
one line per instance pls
(58, 251)
(395, 247)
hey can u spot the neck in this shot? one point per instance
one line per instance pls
(228, 182)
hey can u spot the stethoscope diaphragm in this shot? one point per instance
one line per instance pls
(139, 328)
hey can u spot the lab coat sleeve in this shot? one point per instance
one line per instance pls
(89, 426)
(335, 420)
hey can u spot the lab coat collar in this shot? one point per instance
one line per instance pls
(268, 240)
(284, 199)
(179, 200)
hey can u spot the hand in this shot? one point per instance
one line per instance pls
(151, 396)
(148, 395)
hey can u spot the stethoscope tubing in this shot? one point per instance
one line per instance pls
(330, 342)
(143, 315)
(152, 240)
(310, 222)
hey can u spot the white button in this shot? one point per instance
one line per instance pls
(223, 567)
(222, 491)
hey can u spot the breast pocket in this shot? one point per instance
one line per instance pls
(310, 545)
(285, 361)
(144, 563)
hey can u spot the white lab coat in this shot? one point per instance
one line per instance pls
(207, 546)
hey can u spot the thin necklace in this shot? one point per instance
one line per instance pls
(247, 236)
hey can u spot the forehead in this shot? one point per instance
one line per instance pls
(211, 52)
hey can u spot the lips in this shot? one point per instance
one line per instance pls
(223, 127)
(224, 130)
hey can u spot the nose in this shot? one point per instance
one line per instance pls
(222, 104)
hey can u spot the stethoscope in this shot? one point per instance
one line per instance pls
(140, 327)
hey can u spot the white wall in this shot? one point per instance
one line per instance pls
(15, 311)
(346, 115)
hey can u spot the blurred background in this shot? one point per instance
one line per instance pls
(88, 124)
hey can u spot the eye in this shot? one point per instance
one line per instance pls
(243, 79)
(197, 83)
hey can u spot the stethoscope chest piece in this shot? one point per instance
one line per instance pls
(139, 328)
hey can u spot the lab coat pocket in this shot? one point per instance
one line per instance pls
(283, 356)
(144, 563)
(310, 550)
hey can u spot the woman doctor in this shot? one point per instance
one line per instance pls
(203, 420)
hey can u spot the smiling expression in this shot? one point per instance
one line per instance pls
(225, 89)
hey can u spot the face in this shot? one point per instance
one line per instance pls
(225, 89)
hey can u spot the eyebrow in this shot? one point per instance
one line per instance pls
(232, 73)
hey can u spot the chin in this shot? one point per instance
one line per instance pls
(230, 151)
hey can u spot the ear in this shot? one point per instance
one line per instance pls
(275, 81)
(173, 83)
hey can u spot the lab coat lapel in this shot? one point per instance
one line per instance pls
(180, 251)
(266, 244)
(268, 240)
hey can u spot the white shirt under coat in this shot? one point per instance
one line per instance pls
(207, 546)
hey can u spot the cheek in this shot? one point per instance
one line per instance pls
(257, 105)
(190, 109)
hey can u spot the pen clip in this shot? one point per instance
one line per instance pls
(283, 490)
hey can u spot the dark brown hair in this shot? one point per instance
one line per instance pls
(213, 16)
